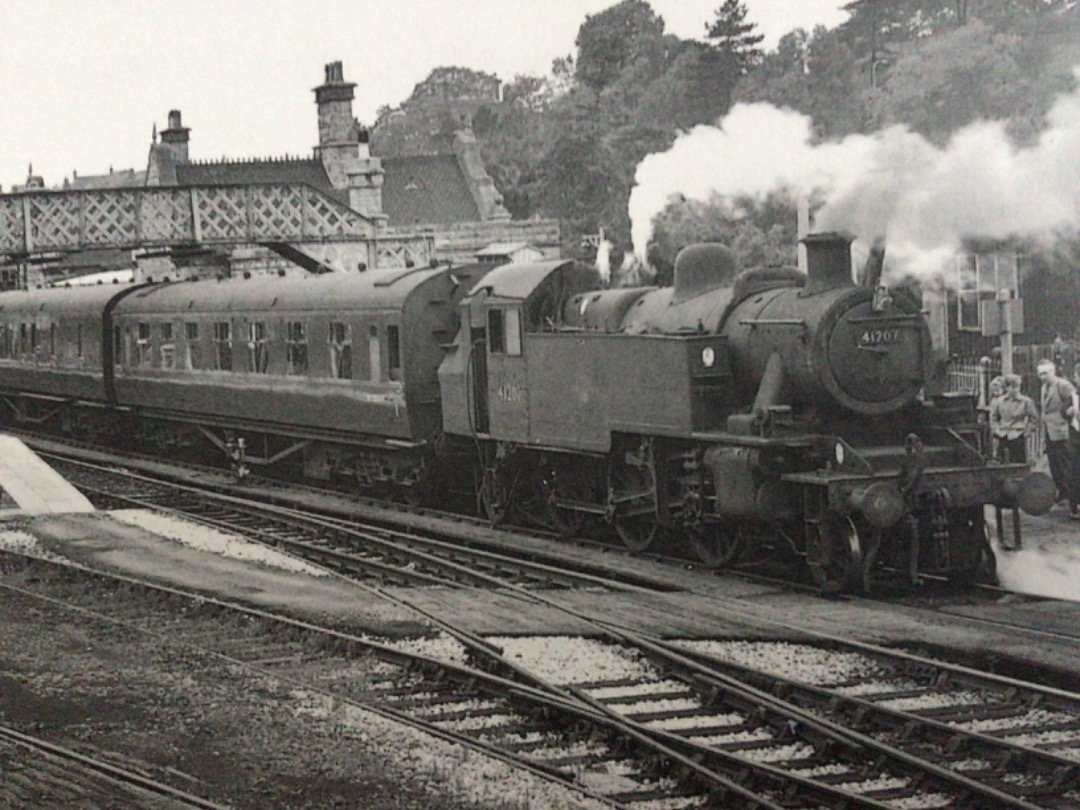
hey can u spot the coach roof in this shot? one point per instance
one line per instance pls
(65, 300)
(374, 289)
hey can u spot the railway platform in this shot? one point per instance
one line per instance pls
(32, 487)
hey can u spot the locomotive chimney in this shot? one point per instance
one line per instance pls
(828, 262)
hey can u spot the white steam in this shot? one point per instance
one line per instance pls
(603, 260)
(922, 199)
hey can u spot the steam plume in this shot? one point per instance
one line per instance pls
(893, 184)
(603, 260)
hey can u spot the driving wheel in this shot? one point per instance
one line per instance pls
(717, 545)
(568, 485)
(493, 496)
(835, 555)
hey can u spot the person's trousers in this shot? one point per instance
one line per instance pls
(1013, 451)
(1060, 458)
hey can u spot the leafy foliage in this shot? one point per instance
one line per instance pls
(733, 36)
(614, 39)
(970, 73)
(567, 145)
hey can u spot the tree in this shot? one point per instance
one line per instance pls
(455, 83)
(759, 232)
(616, 37)
(975, 72)
(817, 75)
(732, 36)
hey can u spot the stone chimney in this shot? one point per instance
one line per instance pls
(342, 149)
(176, 138)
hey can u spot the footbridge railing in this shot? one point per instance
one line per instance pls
(67, 221)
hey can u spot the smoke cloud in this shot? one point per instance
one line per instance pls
(894, 184)
(603, 261)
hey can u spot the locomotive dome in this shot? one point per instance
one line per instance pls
(701, 268)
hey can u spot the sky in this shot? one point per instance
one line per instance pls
(85, 81)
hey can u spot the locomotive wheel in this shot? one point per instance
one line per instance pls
(637, 533)
(838, 566)
(634, 489)
(716, 545)
(972, 557)
(567, 522)
(493, 497)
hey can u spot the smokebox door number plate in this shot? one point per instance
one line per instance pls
(880, 337)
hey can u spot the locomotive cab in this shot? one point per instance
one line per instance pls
(482, 379)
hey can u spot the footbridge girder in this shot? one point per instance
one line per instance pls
(43, 222)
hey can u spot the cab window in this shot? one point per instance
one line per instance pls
(504, 331)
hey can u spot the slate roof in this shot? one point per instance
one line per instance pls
(426, 189)
(124, 178)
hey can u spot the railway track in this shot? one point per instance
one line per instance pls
(743, 729)
(375, 553)
(38, 773)
(531, 727)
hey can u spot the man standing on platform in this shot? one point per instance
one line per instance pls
(1057, 394)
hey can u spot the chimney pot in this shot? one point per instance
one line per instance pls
(828, 262)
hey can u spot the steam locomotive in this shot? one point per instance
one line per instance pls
(738, 413)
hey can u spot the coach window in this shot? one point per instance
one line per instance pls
(52, 341)
(78, 341)
(393, 352)
(374, 354)
(168, 346)
(223, 346)
(34, 347)
(142, 345)
(5, 342)
(118, 346)
(192, 355)
(340, 351)
(296, 356)
(258, 351)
